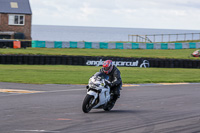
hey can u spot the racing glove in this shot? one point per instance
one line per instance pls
(108, 83)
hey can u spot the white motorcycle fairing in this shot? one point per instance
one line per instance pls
(98, 90)
(98, 94)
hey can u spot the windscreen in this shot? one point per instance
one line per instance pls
(100, 76)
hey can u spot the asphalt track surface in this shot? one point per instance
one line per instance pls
(141, 109)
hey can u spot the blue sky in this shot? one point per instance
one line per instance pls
(159, 14)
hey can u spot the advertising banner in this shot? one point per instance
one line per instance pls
(120, 63)
(98, 61)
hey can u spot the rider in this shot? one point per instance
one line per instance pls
(114, 78)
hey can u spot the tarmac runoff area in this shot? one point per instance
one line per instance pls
(142, 108)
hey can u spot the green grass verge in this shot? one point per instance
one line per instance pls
(53, 74)
(137, 53)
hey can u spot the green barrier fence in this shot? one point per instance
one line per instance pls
(149, 46)
(178, 46)
(38, 44)
(34, 44)
(88, 45)
(73, 44)
(119, 46)
(135, 45)
(192, 45)
(103, 45)
(57, 44)
(164, 45)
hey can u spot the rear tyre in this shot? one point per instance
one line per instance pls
(109, 106)
(87, 103)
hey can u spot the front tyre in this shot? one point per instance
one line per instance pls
(87, 103)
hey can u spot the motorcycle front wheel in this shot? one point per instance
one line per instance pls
(87, 103)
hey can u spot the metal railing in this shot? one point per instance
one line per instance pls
(164, 37)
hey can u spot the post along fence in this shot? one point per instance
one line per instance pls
(164, 37)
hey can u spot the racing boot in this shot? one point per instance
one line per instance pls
(117, 93)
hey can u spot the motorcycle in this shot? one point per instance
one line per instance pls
(98, 94)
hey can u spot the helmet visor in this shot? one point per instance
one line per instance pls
(106, 68)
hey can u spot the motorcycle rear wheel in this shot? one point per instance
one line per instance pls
(109, 106)
(87, 103)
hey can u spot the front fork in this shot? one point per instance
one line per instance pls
(92, 93)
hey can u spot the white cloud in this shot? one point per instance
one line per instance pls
(170, 14)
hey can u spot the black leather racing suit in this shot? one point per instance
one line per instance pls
(116, 81)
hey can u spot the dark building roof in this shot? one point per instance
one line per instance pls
(15, 6)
